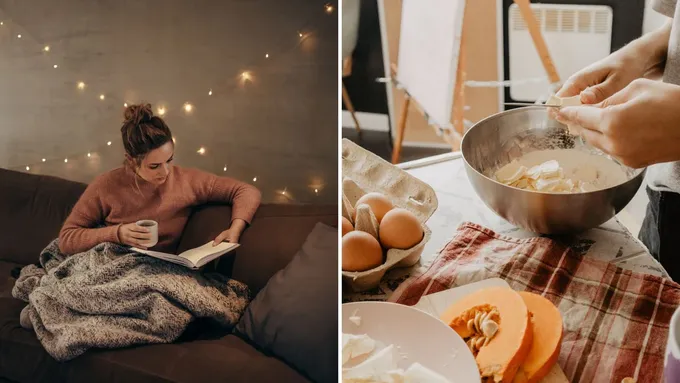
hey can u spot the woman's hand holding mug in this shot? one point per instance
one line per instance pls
(139, 234)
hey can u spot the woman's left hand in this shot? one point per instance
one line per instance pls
(232, 234)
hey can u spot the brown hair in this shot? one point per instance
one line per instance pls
(143, 132)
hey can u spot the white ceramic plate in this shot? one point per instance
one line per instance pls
(421, 338)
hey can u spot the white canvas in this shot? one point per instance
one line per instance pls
(429, 45)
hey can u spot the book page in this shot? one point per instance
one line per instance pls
(196, 254)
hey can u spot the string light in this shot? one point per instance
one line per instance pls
(188, 107)
(329, 8)
(316, 191)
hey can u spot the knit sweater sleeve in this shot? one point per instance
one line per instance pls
(81, 230)
(243, 197)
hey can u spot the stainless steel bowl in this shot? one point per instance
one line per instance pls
(498, 139)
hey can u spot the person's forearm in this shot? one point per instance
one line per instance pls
(653, 46)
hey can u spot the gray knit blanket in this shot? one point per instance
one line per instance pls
(110, 297)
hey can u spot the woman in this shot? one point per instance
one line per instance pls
(149, 186)
(637, 120)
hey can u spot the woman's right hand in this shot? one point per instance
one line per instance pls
(133, 235)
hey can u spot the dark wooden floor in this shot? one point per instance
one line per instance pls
(379, 143)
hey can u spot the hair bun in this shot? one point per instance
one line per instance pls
(138, 113)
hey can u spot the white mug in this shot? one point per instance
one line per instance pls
(152, 226)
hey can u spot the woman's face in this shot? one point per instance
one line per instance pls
(157, 164)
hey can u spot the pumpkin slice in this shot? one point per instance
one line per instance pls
(545, 348)
(500, 357)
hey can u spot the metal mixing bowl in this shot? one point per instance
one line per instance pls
(500, 138)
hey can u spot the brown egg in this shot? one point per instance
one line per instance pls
(346, 226)
(400, 229)
(360, 251)
(379, 204)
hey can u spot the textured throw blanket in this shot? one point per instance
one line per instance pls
(615, 321)
(109, 297)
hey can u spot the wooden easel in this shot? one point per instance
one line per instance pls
(454, 136)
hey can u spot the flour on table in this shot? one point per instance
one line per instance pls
(561, 171)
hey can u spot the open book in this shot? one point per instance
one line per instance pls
(193, 258)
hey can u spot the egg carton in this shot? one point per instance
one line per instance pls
(364, 172)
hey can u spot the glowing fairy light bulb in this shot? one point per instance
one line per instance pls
(81, 85)
(102, 97)
(55, 66)
(108, 143)
(266, 55)
(254, 179)
(89, 154)
(329, 8)
(43, 160)
(2, 23)
(65, 160)
(161, 111)
(300, 34)
(246, 76)
(210, 92)
(201, 150)
(18, 36)
(28, 168)
(188, 107)
(125, 104)
(316, 191)
(46, 48)
(225, 168)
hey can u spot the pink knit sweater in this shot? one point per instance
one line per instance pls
(120, 196)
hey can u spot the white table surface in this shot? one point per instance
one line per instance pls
(458, 202)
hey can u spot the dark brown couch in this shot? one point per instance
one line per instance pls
(32, 210)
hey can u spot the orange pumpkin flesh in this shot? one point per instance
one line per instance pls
(502, 356)
(545, 348)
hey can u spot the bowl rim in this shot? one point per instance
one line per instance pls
(641, 171)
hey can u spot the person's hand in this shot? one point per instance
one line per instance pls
(603, 78)
(638, 125)
(133, 235)
(232, 234)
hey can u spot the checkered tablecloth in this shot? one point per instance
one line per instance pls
(615, 320)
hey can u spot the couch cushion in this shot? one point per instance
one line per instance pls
(268, 245)
(23, 359)
(32, 211)
(295, 316)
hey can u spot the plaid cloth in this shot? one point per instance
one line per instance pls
(615, 321)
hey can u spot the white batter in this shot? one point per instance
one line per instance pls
(561, 171)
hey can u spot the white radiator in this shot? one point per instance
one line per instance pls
(576, 36)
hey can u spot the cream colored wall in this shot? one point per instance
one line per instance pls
(481, 50)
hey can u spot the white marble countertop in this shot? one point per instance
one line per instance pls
(458, 202)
